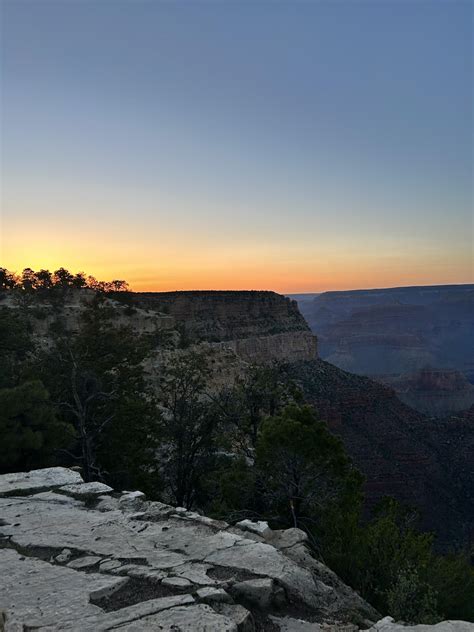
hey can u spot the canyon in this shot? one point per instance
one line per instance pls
(394, 334)
(401, 451)
(105, 559)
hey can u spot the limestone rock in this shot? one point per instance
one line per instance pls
(193, 618)
(132, 501)
(85, 562)
(109, 565)
(85, 491)
(180, 583)
(213, 595)
(64, 556)
(259, 527)
(285, 538)
(107, 590)
(387, 624)
(57, 498)
(161, 550)
(107, 503)
(288, 624)
(258, 592)
(23, 483)
(237, 613)
(36, 593)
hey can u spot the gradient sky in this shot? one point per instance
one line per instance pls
(294, 146)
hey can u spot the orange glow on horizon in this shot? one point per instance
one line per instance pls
(167, 280)
(187, 265)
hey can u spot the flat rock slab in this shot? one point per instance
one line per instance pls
(209, 594)
(158, 552)
(83, 563)
(388, 625)
(22, 483)
(85, 491)
(195, 618)
(37, 593)
(288, 624)
(180, 583)
(53, 497)
(109, 565)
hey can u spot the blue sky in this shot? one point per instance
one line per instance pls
(294, 146)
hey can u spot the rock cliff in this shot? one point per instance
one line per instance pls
(77, 556)
(257, 326)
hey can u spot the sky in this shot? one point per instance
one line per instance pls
(295, 146)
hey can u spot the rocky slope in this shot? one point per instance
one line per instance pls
(401, 452)
(77, 556)
(435, 392)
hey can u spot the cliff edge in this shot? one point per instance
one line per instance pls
(78, 556)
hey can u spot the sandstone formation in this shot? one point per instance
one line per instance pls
(256, 326)
(253, 326)
(118, 562)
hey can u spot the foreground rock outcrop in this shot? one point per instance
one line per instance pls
(90, 559)
(77, 556)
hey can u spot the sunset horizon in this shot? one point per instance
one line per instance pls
(239, 146)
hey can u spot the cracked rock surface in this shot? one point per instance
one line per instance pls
(117, 562)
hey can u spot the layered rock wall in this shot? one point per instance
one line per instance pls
(257, 326)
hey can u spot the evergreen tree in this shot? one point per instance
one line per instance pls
(303, 467)
(29, 428)
(97, 380)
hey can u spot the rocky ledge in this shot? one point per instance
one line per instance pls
(78, 556)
